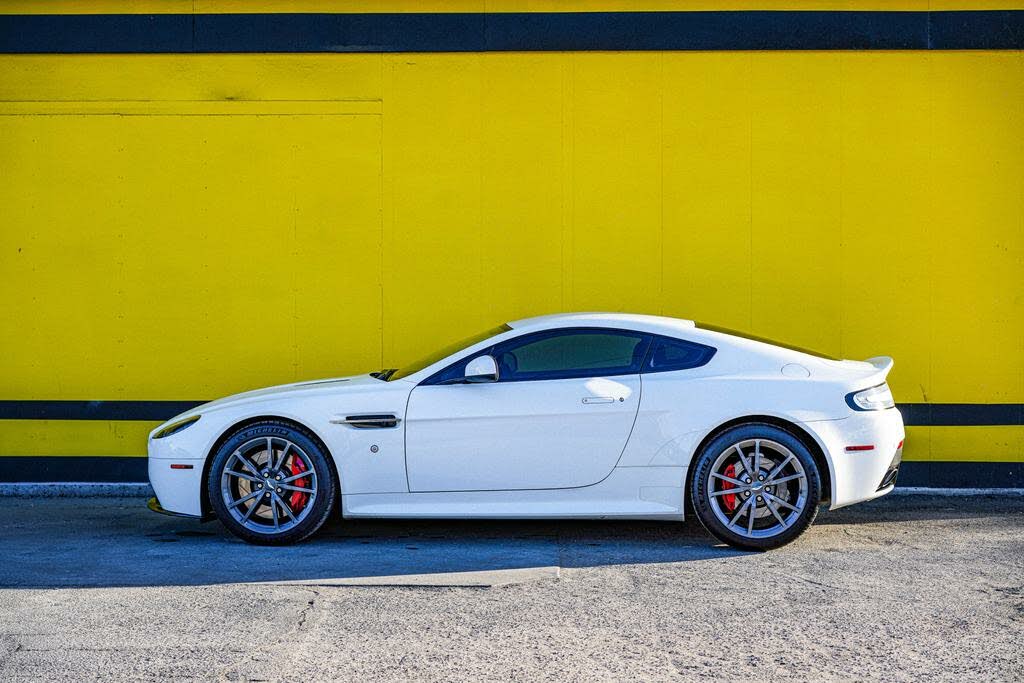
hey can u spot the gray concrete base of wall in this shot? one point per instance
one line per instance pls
(75, 490)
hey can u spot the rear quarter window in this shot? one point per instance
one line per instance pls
(669, 354)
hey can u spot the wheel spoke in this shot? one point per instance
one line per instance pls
(735, 482)
(781, 502)
(244, 499)
(303, 489)
(284, 455)
(252, 509)
(739, 513)
(778, 468)
(750, 516)
(300, 475)
(285, 506)
(713, 494)
(746, 465)
(273, 509)
(775, 512)
(246, 462)
(270, 453)
(782, 480)
(242, 475)
(757, 460)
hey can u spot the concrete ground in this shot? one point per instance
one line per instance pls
(903, 588)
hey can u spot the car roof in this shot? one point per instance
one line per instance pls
(650, 323)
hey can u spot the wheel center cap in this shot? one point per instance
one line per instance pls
(756, 486)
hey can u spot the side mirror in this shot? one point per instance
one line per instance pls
(481, 369)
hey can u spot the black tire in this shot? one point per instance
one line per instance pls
(711, 505)
(223, 488)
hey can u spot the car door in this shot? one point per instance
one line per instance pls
(558, 416)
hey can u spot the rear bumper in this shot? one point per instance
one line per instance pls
(154, 505)
(859, 475)
(889, 478)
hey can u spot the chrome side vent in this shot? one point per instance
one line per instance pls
(374, 421)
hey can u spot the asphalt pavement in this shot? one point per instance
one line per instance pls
(903, 588)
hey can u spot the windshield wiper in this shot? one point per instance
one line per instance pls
(385, 374)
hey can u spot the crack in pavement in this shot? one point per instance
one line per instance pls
(8, 656)
(306, 611)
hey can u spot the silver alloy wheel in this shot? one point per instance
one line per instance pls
(268, 484)
(767, 485)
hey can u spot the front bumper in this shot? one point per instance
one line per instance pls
(175, 472)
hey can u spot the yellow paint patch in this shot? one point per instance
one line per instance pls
(74, 437)
(973, 444)
(183, 227)
(147, 254)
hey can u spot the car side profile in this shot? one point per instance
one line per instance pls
(585, 415)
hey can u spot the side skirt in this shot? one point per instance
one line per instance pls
(627, 493)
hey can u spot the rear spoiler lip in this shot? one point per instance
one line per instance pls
(882, 363)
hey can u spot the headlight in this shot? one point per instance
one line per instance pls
(875, 398)
(176, 427)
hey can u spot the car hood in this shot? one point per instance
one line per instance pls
(355, 382)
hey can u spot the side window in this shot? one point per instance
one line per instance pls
(562, 354)
(675, 354)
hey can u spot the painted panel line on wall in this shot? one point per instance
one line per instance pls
(523, 31)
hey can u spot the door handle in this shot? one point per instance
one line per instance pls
(598, 399)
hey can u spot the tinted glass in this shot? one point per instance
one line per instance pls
(570, 353)
(449, 350)
(675, 354)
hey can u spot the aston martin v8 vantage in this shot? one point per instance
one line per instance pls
(587, 415)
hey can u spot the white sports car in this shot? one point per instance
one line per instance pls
(588, 415)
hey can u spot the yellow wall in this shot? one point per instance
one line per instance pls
(182, 227)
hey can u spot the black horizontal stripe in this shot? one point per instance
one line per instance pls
(961, 414)
(36, 469)
(967, 475)
(89, 469)
(514, 31)
(914, 414)
(152, 411)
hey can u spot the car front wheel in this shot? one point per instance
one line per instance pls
(756, 487)
(271, 483)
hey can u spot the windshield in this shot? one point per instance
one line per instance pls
(441, 354)
(744, 335)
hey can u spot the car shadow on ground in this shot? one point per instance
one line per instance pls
(116, 542)
(925, 507)
(104, 542)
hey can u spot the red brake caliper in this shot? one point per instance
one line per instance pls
(729, 499)
(298, 499)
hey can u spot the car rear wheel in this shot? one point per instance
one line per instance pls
(271, 483)
(756, 487)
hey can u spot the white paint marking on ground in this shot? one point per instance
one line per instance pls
(923, 491)
(469, 579)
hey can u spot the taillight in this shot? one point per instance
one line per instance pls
(876, 398)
